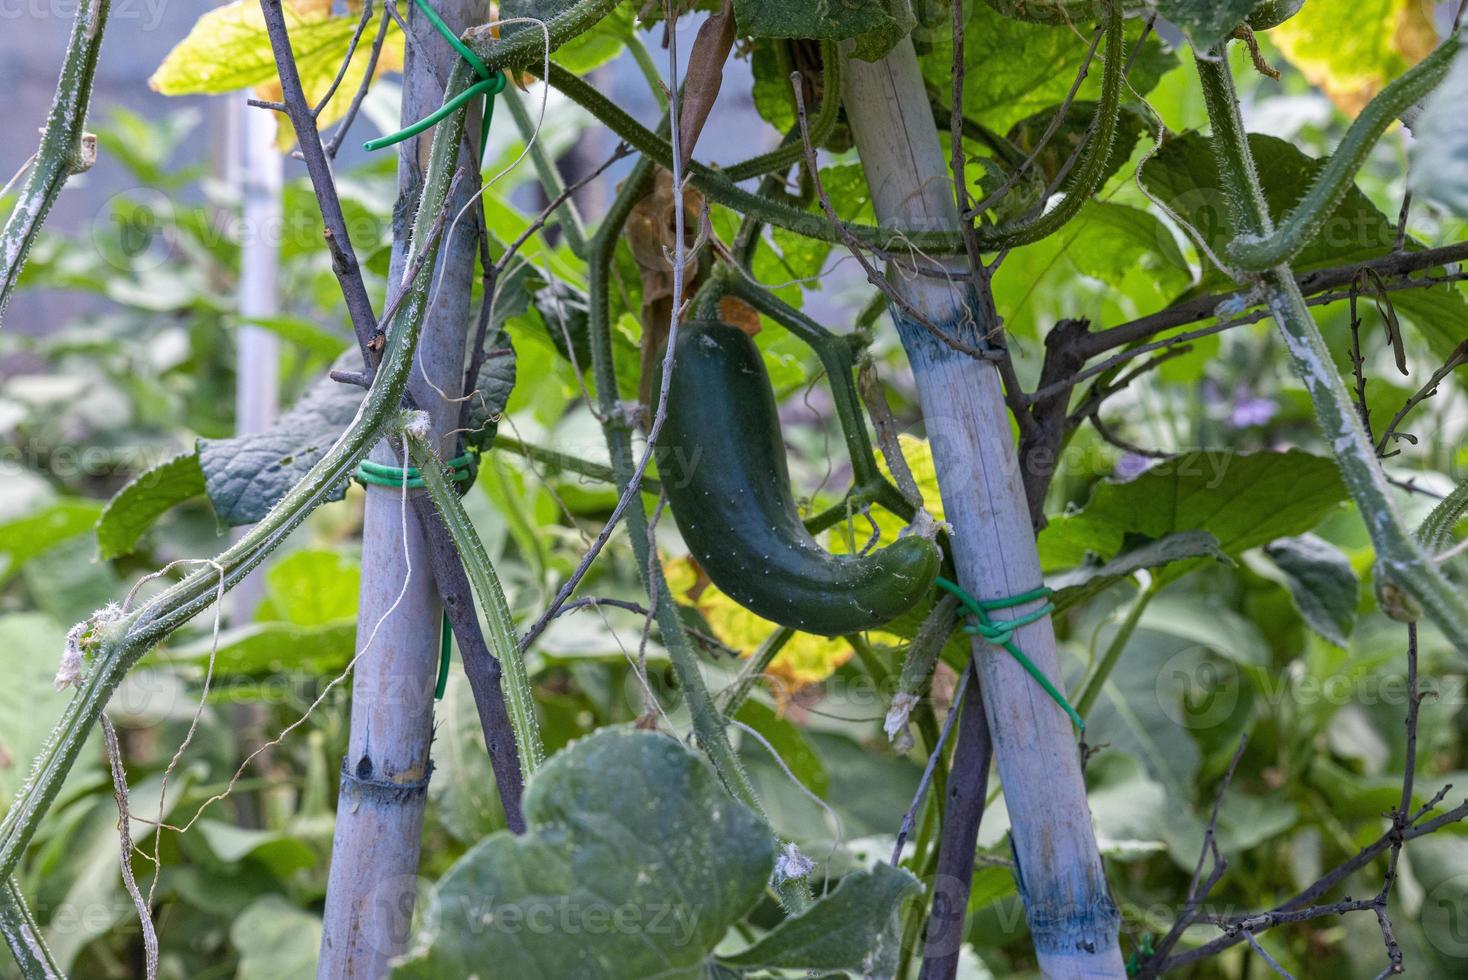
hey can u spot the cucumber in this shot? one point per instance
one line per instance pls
(722, 464)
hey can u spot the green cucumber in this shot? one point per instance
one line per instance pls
(722, 464)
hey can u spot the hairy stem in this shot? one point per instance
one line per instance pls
(503, 641)
(1262, 251)
(1401, 561)
(61, 153)
(118, 643)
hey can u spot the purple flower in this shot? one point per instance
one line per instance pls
(1250, 409)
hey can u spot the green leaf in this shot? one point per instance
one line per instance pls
(260, 649)
(854, 929)
(563, 312)
(134, 508)
(1014, 69)
(246, 476)
(228, 49)
(1060, 11)
(1440, 143)
(1243, 500)
(1205, 21)
(491, 391)
(1082, 584)
(789, 742)
(276, 941)
(1184, 175)
(633, 854)
(585, 52)
(1109, 241)
(1322, 584)
(304, 334)
(312, 588)
(877, 24)
(26, 537)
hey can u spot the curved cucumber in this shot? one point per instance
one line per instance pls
(722, 463)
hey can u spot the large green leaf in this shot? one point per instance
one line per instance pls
(1206, 21)
(877, 24)
(1081, 584)
(1243, 500)
(1015, 69)
(854, 929)
(246, 476)
(26, 537)
(1322, 584)
(634, 864)
(134, 508)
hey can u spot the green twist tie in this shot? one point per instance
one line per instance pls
(445, 650)
(1140, 955)
(368, 473)
(1001, 633)
(489, 85)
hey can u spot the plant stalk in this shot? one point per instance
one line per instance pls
(1402, 563)
(63, 150)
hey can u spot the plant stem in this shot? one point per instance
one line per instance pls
(550, 177)
(61, 153)
(503, 639)
(1401, 561)
(1094, 684)
(117, 644)
(24, 937)
(1259, 250)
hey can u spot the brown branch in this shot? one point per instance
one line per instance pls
(1455, 360)
(1320, 298)
(350, 116)
(1310, 283)
(338, 242)
(1199, 889)
(341, 72)
(1407, 824)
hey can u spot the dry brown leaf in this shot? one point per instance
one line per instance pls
(704, 77)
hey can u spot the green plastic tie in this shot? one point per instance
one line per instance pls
(1140, 955)
(368, 473)
(489, 85)
(1001, 633)
(445, 650)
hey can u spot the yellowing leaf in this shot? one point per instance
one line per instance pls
(1351, 50)
(228, 49)
(851, 536)
(805, 660)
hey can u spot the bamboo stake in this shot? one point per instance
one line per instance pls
(1073, 920)
(370, 890)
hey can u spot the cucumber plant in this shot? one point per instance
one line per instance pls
(956, 230)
